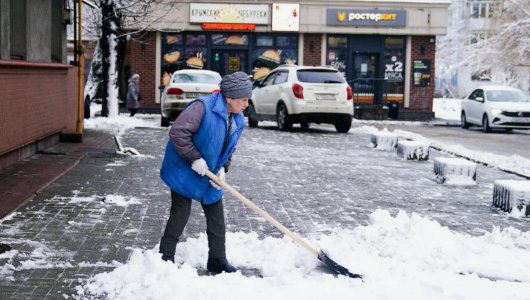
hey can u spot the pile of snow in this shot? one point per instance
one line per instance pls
(118, 124)
(401, 257)
(513, 163)
(447, 108)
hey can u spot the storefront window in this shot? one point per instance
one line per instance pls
(195, 39)
(282, 49)
(394, 73)
(264, 41)
(195, 58)
(230, 39)
(182, 51)
(172, 52)
(336, 54)
(337, 41)
(287, 41)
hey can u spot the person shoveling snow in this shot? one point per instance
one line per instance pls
(202, 138)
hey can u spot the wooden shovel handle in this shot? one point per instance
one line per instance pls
(262, 213)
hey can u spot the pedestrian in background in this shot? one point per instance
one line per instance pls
(133, 94)
(204, 137)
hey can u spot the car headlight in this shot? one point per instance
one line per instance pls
(496, 111)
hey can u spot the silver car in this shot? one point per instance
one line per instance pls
(185, 86)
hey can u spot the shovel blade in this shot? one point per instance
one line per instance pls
(335, 267)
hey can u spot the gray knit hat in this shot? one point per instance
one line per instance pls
(236, 85)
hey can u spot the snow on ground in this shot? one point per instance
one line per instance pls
(122, 122)
(513, 163)
(402, 257)
(447, 108)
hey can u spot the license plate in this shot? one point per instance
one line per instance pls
(325, 97)
(521, 120)
(194, 95)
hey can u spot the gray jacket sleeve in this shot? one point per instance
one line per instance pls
(182, 130)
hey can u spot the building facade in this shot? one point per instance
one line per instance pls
(385, 49)
(38, 98)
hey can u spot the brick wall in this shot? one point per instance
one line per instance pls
(143, 61)
(421, 97)
(312, 49)
(36, 101)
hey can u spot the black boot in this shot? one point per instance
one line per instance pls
(168, 258)
(218, 265)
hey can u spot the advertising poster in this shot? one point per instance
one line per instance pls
(421, 71)
(285, 17)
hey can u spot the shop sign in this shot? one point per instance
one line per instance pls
(394, 69)
(229, 13)
(228, 26)
(421, 70)
(285, 17)
(366, 17)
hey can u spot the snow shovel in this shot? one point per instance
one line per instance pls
(331, 264)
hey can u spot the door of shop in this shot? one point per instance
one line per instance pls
(229, 61)
(366, 82)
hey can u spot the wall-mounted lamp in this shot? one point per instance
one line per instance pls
(431, 40)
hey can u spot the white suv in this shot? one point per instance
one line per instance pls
(296, 94)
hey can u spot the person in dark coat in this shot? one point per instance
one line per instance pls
(133, 94)
(203, 137)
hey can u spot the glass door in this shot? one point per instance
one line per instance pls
(229, 61)
(366, 84)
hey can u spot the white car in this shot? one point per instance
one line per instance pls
(185, 86)
(296, 94)
(496, 107)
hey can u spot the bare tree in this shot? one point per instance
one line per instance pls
(108, 22)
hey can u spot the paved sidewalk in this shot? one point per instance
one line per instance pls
(311, 181)
(21, 181)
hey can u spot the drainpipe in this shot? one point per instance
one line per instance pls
(80, 79)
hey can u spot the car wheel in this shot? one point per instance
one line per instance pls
(283, 119)
(343, 127)
(486, 124)
(304, 125)
(164, 122)
(463, 121)
(252, 119)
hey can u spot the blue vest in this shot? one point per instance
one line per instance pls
(177, 173)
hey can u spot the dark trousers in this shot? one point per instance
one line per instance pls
(132, 111)
(178, 217)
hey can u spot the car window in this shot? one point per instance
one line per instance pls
(476, 94)
(320, 76)
(281, 77)
(196, 77)
(506, 96)
(270, 79)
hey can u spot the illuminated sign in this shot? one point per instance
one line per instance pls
(229, 13)
(225, 26)
(364, 17)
